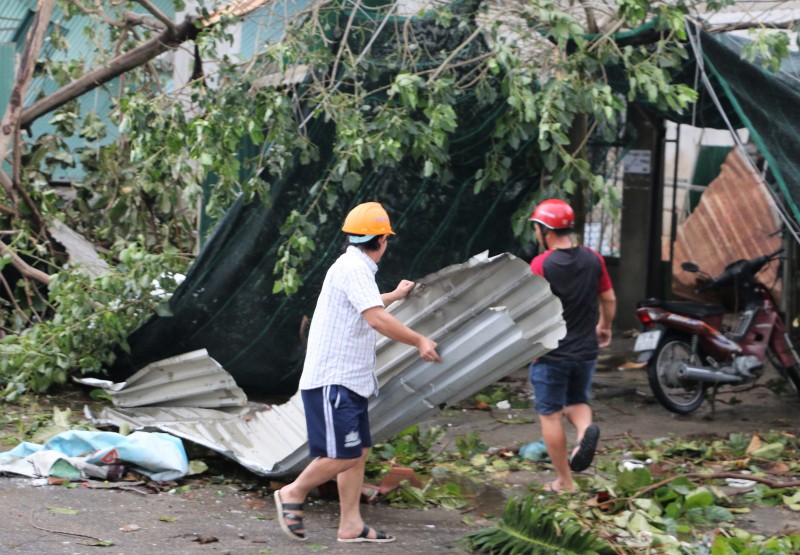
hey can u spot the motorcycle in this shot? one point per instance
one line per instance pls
(689, 347)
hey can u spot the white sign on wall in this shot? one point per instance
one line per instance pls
(637, 161)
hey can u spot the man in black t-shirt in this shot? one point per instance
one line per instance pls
(562, 378)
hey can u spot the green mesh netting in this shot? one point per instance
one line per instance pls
(226, 303)
(767, 104)
(744, 95)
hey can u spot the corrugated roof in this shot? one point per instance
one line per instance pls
(490, 316)
(735, 219)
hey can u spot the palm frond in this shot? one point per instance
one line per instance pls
(528, 530)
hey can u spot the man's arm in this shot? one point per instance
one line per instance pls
(386, 324)
(608, 309)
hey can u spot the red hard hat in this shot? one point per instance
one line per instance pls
(554, 214)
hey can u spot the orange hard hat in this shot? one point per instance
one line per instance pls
(554, 214)
(368, 219)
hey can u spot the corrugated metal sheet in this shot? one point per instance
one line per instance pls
(736, 218)
(189, 380)
(490, 317)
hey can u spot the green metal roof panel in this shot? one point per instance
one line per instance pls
(268, 24)
(15, 19)
(6, 73)
(7, 55)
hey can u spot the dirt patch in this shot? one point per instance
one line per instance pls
(233, 513)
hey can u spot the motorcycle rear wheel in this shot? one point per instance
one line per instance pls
(791, 373)
(675, 394)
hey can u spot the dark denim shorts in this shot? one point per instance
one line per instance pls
(561, 384)
(337, 420)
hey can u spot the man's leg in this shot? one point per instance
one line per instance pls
(549, 383)
(578, 411)
(350, 483)
(319, 471)
(580, 416)
(556, 442)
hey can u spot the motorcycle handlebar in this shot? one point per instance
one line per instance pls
(754, 265)
(776, 253)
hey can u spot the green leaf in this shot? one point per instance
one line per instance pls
(197, 467)
(769, 451)
(699, 498)
(528, 528)
(792, 501)
(98, 543)
(164, 310)
(630, 481)
(100, 395)
(63, 511)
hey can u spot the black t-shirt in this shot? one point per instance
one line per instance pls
(576, 276)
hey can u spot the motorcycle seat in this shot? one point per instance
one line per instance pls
(686, 308)
(695, 310)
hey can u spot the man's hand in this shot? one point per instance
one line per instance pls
(603, 337)
(427, 350)
(403, 289)
(383, 322)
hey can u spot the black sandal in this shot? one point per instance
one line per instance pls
(284, 515)
(380, 537)
(585, 455)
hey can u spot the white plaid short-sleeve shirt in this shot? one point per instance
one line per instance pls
(341, 344)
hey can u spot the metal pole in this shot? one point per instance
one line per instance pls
(674, 222)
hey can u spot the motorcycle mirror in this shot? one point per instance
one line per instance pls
(690, 267)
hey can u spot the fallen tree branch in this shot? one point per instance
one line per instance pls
(5, 181)
(158, 14)
(774, 484)
(170, 38)
(13, 299)
(23, 267)
(42, 528)
(140, 19)
(114, 68)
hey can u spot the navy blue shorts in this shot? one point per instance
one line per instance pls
(559, 385)
(337, 420)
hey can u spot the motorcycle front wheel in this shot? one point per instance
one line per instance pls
(678, 395)
(791, 373)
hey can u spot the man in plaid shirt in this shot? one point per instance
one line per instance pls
(339, 375)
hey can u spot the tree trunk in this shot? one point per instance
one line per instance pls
(578, 200)
(11, 120)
